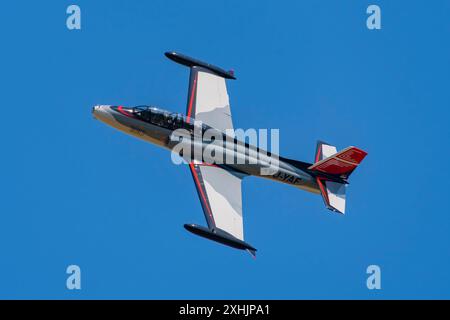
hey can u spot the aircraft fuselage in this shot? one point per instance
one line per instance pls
(158, 127)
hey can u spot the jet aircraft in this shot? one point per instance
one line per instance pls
(218, 183)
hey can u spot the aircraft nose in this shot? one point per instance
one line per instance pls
(98, 108)
(100, 111)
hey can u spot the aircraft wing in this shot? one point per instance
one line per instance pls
(207, 96)
(208, 99)
(219, 189)
(220, 194)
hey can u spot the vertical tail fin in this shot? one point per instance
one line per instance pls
(324, 150)
(329, 163)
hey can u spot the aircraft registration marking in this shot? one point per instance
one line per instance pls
(285, 177)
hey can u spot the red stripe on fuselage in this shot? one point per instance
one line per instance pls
(120, 109)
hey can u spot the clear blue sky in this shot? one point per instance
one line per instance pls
(75, 191)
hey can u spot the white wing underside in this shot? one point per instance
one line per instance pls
(212, 105)
(223, 191)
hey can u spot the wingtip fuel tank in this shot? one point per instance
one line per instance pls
(218, 235)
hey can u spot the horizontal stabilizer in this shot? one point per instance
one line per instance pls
(340, 164)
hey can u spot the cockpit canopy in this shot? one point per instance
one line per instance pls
(155, 116)
(158, 116)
